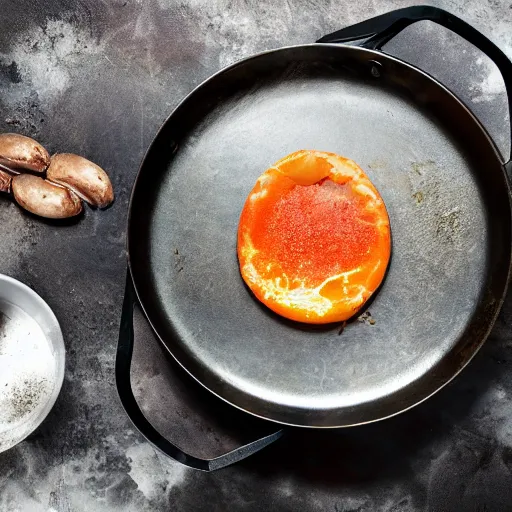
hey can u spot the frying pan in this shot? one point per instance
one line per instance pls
(446, 189)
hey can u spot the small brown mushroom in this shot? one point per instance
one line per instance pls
(45, 199)
(86, 179)
(19, 152)
(5, 182)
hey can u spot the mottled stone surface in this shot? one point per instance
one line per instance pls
(98, 78)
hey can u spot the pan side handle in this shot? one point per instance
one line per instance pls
(124, 388)
(381, 29)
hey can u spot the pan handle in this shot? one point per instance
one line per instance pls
(383, 28)
(124, 388)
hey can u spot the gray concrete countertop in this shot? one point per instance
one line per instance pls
(98, 77)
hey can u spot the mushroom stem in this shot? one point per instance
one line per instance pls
(8, 170)
(5, 182)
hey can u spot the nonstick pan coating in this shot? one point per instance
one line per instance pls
(448, 200)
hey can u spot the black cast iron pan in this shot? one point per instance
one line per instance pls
(446, 190)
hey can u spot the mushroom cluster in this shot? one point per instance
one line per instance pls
(51, 187)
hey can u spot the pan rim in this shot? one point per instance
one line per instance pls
(378, 54)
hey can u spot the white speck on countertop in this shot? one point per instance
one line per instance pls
(148, 472)
(45, 57)
(491, 85)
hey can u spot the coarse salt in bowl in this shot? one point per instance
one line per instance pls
(32, 360)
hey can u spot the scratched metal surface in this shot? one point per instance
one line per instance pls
(98, 78)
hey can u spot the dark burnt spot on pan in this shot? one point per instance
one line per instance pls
(366, 318)
(422, 168)
(418, 196)
(425, 169)
(448, 225)
(342, 327)
(178, 260)
(423, 182)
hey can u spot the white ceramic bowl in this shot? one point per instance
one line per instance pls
(32, 360)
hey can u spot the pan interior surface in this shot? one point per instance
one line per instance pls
(442, 183)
